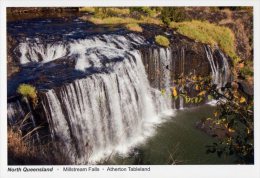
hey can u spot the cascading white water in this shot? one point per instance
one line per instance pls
(181, 100)
(104, 113)
(162, 57)
(37, 52)
(15, 112)
(162, 62)
(225, 70)
(220, 75)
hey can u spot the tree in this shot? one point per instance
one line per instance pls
(235, 110)
(170, 14)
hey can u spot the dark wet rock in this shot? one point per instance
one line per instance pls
(12, 64)
(246, 87)
(215, 130)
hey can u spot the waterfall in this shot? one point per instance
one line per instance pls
(106, 112)
(225, 70)
(165, 61)
(15, 112)
(220, 74)
(118, 101)
(158, 63)
(37, 52)
(183, 61)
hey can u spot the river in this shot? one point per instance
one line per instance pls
(177, 141)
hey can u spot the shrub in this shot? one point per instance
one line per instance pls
(121, 11)
(104, 12)
(208, 33)
(162, 40)
(143, 10)
(29, 92)
(247, 71)
(134, 27)
(170, 14)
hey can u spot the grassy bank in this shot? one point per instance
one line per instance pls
(208, 33)
(202, 31)
(134, 27)
(122, 20)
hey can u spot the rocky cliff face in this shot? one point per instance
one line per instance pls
(12, 65)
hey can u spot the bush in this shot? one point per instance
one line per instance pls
(247, 71)
(173, 14)
(235, 110)
(104, 12)
(29, 92)
(162, 40)
(134, 27)
(143, 10)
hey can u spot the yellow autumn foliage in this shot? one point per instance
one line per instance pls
(174, 91)
(231, 130)
(242, 99)
(197, 87)
(202, 93)
(215, 114)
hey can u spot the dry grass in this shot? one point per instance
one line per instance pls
(110, 10)
(111, 20)
(151, 20)
(22, 150)
(17, 145)
(121, 20)
(134, 27)
(19, 150)
(119, 11)
(87, 9)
